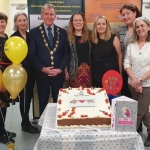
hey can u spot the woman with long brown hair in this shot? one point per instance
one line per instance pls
(79, 43)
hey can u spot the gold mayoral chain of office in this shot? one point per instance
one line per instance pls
(46, 44)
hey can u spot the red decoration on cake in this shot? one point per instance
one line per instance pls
(90, 101)
(109, 115)
(89, 92)
(64, 91)
(64, 114)
(73, 108)
(59, 101)
(84, 116)
(81, 101)
(61, 90)
(69, 115)
(59, 116)
(105, 113)
(72, 112)
(112, 82)
(102, 89)
(107, 100)
(74, 101)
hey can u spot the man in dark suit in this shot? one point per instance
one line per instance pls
(48, 51)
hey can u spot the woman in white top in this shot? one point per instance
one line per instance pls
(137, 66)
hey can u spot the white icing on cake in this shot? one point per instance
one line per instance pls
(78, 103)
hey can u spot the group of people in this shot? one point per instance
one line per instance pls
(81, 57)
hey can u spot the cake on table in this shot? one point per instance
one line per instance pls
(78, 107)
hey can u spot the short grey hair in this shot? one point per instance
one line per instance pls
(135, 36)
(51, 6)
(15, 28)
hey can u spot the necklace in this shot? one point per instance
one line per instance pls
(46, 44)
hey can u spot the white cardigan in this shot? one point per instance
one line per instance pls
(138, 60)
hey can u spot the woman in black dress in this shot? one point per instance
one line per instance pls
(5, 136)
(80, 47)
(106, 50)
(26, 95)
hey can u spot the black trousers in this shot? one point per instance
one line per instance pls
(26, 96)
(2, 120)
(44, 85)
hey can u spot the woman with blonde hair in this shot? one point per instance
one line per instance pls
(106, 50)
(80, 46)
(26, 95)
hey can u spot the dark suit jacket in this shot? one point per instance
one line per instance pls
(40, 55)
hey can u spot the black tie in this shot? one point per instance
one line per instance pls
(50, 36)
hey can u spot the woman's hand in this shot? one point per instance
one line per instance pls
(139, 89)
(135, 83)
(3, 105)
(66, 75)
(2, 89)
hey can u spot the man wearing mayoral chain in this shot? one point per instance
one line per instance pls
(48, 52)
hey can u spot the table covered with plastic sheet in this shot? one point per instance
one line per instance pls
(84, 138)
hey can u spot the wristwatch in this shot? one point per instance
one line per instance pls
(140, 80)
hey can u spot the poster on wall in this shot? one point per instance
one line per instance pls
(108, 8)
(64, 10)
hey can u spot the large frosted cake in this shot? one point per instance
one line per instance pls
(77, 107)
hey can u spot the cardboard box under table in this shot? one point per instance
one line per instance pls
(82, 139)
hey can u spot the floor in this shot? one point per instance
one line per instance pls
(26, 141)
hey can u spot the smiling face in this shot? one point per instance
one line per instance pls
(21, 22)
(48, 15)
(101, 26)
(78, 22)
(142, 29)
(3, 25)
(128, 16)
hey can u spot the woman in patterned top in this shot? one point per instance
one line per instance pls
(79, 43)
(137, 66)
(5, 136)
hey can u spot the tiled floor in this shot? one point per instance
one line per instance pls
(26, 141)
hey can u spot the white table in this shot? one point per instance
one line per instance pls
(82, 139)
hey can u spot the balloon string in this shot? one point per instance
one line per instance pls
(4, 124)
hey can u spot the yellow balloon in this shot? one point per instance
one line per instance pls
(1, 82)
(16, 49)
(14, 79)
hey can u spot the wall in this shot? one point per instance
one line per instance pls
(4, 7)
